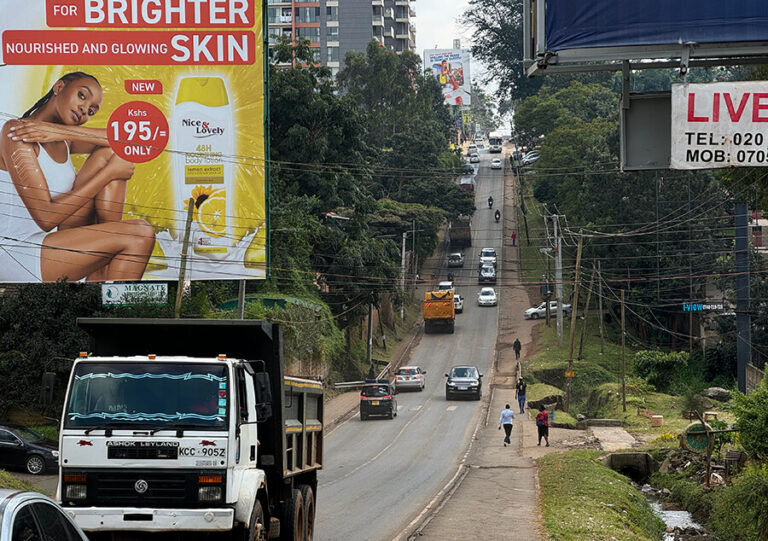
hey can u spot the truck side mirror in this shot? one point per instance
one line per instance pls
(263, 391)
(46, 388)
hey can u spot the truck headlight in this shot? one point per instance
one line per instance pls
(76, 492)
(209, 493)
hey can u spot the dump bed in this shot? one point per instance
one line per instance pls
(438, 305)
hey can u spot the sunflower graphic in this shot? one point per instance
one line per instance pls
(210, 209)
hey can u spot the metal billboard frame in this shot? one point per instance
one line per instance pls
(537, 60)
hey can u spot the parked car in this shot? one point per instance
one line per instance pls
(377, 397)
(31, 516)
(458, 304)
(488, 256)
(474, 158)
(464, 381)
(496, 163)
(536, 312)
(471, 148)
(487, 274)
(23, 448)
(467, 170)
(410, 377)
(487, 297)
(455, 260)
(531, 157)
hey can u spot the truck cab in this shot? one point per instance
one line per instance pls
(187, 440)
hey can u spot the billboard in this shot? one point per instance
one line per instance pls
(568, 36)
(451, 69)
(719, 125)
(132, 110)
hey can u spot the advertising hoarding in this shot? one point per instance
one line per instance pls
(451, 69)
(123, 294)
(612, 23)
(719, 125)
(154, 103)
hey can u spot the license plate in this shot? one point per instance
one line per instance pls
(406, 379)
(375, 402)
(463, 387)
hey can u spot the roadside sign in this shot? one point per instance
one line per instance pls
(123, 294)
(569, 373)
(719, 125)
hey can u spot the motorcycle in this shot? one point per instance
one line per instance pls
(490, 202)
(497, 216)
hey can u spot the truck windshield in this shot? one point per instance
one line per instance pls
(143, 395)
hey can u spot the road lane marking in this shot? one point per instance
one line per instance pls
(451, 408)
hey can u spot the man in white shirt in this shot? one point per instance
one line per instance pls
(506, 421)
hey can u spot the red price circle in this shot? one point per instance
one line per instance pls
(137, 131)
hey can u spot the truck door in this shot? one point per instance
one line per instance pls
(246, 419)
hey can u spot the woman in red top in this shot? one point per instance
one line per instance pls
(542, 423)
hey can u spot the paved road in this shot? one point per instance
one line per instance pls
(379, 474)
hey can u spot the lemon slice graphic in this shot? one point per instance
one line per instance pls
(212, 216)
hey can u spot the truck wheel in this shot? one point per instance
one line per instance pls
(363, 416)
(258, 530)
(451, 327)
(427, 327)
(292, 525)
(309, 510)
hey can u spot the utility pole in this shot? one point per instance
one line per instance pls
(413, 253)
(586, 313)
(623, 363)
(600, 305)
(183, 265)
(369, 352)
(241, 300)
(558, 281)
(743, 318)
(574, 311)
(402, 277)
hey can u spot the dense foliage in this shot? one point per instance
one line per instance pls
(752, 420)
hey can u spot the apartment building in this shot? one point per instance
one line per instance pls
(334, 27)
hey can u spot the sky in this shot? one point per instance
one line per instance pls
(437, 24)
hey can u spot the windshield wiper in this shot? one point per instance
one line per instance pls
(107, 430)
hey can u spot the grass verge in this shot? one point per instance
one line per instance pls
(9, 481)
(584, 500)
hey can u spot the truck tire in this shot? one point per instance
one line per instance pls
(451, 327)
(257, 531)
(309, 510)
(427, 327)
(363, 416)
(293, 521)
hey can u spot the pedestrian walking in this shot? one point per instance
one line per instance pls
(514, 237)
(517, 346)
(542, 423)
(520, 394)
(506, 421)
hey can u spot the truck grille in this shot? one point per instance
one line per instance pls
(163, 488)
(147, 453)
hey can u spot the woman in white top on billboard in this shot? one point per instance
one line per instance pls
(67, 225)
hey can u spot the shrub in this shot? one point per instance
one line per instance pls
(740, 511)
(751, 413)
(658, 367)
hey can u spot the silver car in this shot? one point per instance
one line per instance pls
(31, 515)
(540, 310)
(410, 377)
(487, 297)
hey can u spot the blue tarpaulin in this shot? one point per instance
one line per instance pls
(574, 24)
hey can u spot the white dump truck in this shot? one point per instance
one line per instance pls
(190, 425)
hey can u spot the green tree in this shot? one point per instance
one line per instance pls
(751, 413)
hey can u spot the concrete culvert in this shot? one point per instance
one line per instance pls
(636, 466)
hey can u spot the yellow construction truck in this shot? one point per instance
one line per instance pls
(439, 311)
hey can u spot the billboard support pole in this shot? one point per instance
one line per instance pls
(743, 319)
(241, 300)
(183, 265)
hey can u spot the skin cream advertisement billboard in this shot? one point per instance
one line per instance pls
(451, 69)
(116, 119)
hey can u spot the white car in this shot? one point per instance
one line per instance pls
(445, 286)
(474, 158)
(471, 149)
(541, 310)
(487, 297)
(496, 163)
(488, 256)
(458, 304)
(410, 377)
